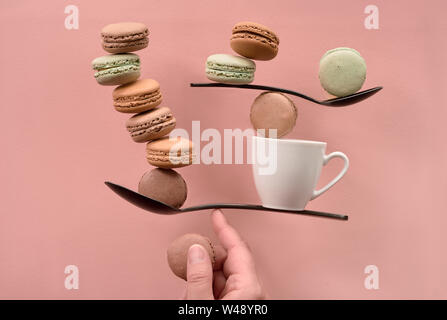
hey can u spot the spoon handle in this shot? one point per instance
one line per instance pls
(255, 86)
(261, 208)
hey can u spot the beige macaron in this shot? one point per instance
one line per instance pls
(170, 152)
(273, 111)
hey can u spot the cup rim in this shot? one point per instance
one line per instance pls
(293, 140)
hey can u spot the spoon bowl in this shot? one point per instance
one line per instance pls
(335, 102)
(158, 207)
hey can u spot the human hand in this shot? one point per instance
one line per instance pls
(234, 276)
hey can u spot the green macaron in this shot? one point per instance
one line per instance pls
(116, 69)
(342, 71)
(227, 68)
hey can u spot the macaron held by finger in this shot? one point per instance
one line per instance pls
(116, 69)
(227, 68)
(177, 252)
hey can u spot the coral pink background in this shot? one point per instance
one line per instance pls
(61, 138)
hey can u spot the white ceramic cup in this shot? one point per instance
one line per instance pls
(286, 171)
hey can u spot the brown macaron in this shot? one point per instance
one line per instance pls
(168, 153)
(273, 110)
(178, 252)
(124, 37)
(150, 125)
(254, 41)
(138, 96)
(164, 185)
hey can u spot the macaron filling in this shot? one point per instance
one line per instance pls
(117, 70)
(170, 157)
(154, 125)
(231, 73)
(115, 64)
(241, 29)
(127, 37)
(118, 45)
(135, 101)
(226, 67)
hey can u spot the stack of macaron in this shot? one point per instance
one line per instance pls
(151, 123)
(272, 114)
(252, 41)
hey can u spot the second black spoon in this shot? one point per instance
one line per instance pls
(155, 206)
(335, 102)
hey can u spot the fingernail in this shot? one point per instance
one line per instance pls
(196, 254)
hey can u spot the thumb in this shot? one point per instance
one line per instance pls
(199, 274)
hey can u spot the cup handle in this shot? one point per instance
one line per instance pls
(326, 159)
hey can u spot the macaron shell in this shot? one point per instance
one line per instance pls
(253, 47)
(122, 76)
(177, 252)
(164, 185)
(273, 110)
(342, 71)
(125, 47)
(229, 62)
(138, 96)
(340, 49)
(229, 77)
(170, 153)
(150, 125)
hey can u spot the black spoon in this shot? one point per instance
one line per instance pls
(155, 206)
(335, 102)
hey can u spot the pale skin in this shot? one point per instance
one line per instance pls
(234, 275)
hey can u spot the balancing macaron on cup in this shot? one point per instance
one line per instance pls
(137, 96)
(151, 124)
(164, 185)
(273, 111)
(254, 41)
(342, 71)
(124, 37)
(116, 69)
(227, 68)
(170, 152)
(177, 252)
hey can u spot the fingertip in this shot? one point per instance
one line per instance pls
(218, 218)
(196, 254)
